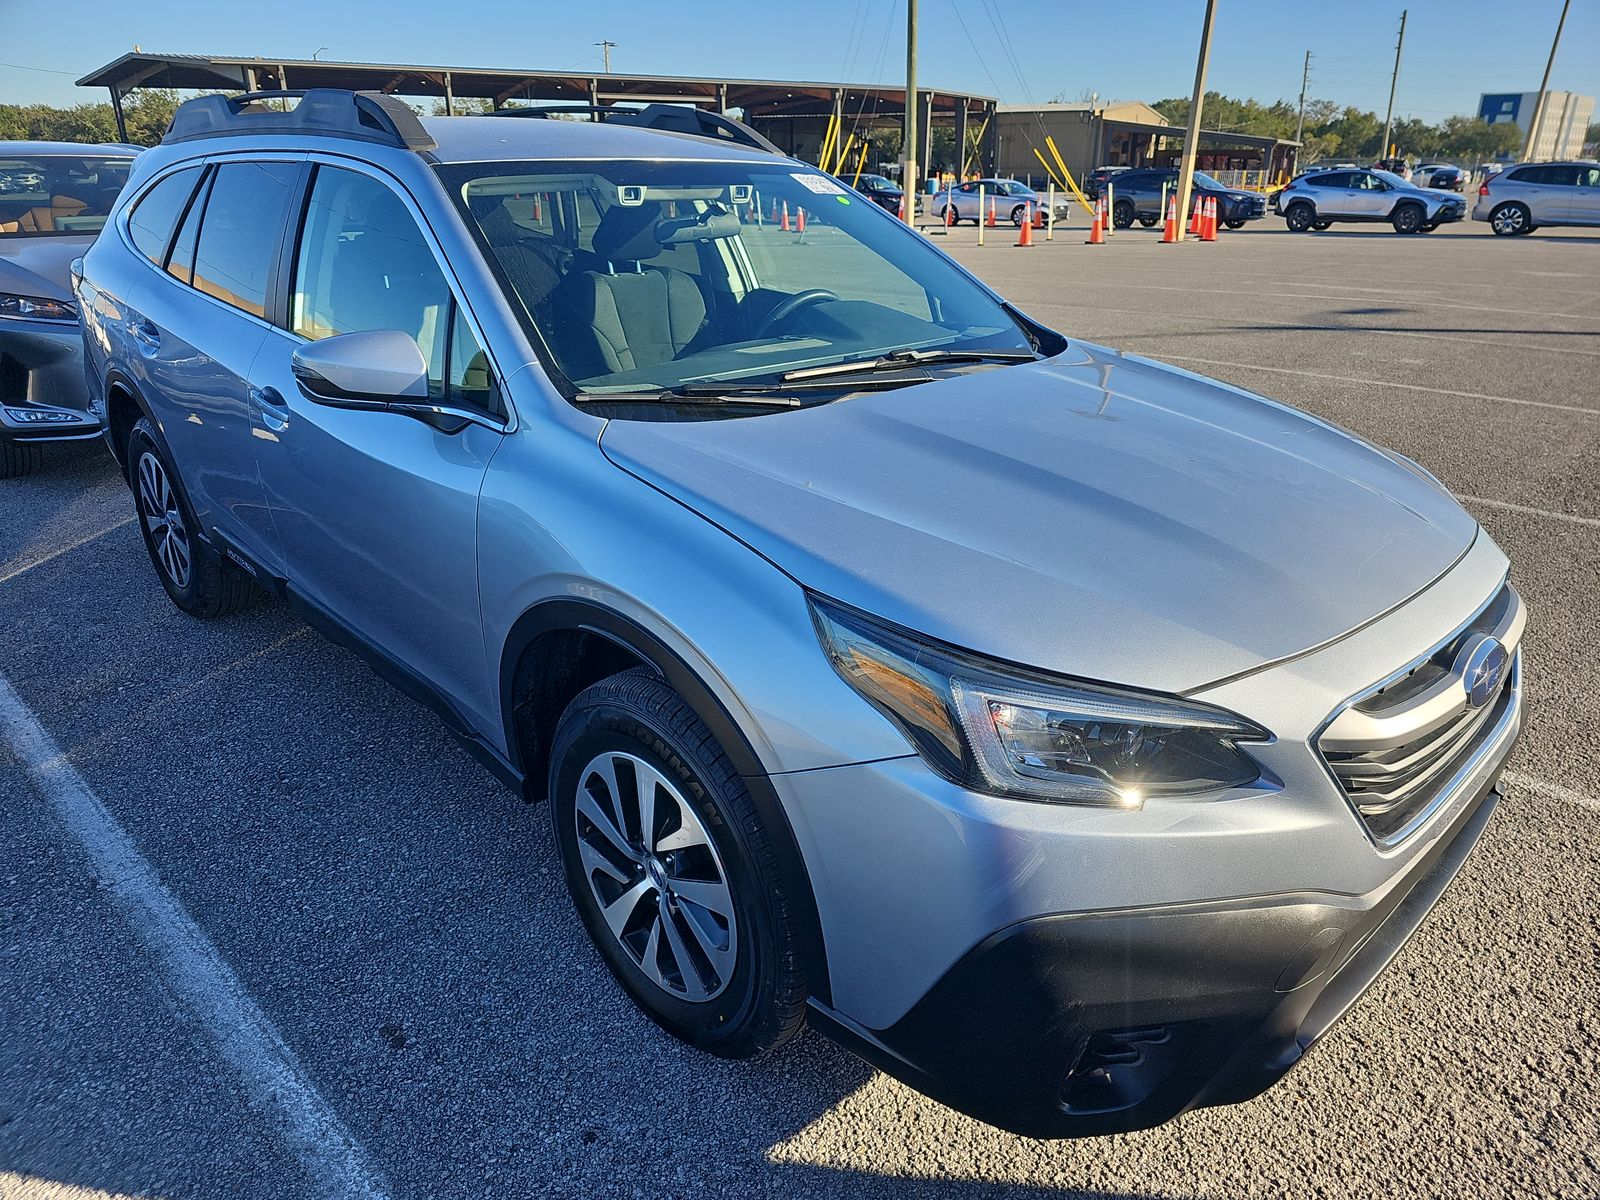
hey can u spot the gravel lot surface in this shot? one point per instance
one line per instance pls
(399, 919)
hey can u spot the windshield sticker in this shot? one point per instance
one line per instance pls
(819, 184)
(842, 199)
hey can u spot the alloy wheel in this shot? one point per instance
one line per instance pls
(163, 520)
(659, 884)
(1508, 219)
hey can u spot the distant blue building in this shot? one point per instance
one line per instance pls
(1566, 119)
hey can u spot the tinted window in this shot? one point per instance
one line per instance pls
(158, 211)
(363, 264)
(180, 261)
(1335, 179)
(1589, 176)
(240, 230)
(47, 194)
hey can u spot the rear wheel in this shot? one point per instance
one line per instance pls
(950, 216)
(1407, 219)
(1122, 214)
(670, 868)
(1508, 220)
(18, 459)
(1299, 217)
(1147, 222)
(198, 579)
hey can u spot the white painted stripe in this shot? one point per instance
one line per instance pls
(14, 570)
(191, 967)
(1385, 383)
(1553, 790)
(1593, 522)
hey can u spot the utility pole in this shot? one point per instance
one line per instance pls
(1394, 82)
(1534, 129)
(1305, 76)
(908, 148)
(1191, 139)
(605, 49)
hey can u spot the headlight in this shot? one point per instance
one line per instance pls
(37, 308)
(1007, 731)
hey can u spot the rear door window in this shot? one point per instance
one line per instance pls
(158, 212)
(240, 231)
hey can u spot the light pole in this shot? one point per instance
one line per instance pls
(1305, 76)
(908, 147)
(605, 52)
(1191, 139)
(1534, 128)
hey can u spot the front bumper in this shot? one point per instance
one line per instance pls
(43, 394)
(1451, 212)
(1084, 1025)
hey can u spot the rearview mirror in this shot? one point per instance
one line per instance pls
(370, 369)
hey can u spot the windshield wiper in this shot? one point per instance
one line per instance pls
(907, 358)
(690, 394)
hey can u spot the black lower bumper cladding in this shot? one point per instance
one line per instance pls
(1084, 1025)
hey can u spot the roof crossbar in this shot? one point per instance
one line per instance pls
(665, 118)
(334, 112)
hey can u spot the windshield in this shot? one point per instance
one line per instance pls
(58, 194)
(638, 275)
(876, 183)
(1206, 181)
(1391, 179)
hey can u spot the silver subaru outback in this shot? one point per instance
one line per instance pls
(1074, 737)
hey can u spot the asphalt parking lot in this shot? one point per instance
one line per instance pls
(399, 919)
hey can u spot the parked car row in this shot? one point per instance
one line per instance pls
(1068, 832)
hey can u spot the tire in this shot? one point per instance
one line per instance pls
(1299, 217)
(1429, 227)
(1509, 220)
(708, 845)
(950, 216)
(198, 579)
(19, 458)
(1408, 218)
(1148, 222)
(1122, 214)
(1234, 224)
(1319, 226)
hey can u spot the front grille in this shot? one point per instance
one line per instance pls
(1392, 778)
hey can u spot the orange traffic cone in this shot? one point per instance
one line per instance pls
(1197, 216)
(990, 221)
(785, 225)
(1208, 221)
(537, 212)
(949, 213)
(774, 217)
(800, 223)
(1025, 234)
(1038, 217)
(1097, 230)
(1169, 232)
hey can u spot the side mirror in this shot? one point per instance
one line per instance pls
(371, 369)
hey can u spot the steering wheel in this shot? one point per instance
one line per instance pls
(787, 308)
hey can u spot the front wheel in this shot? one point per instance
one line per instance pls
(1299, 217)
(18, 459)
(1019, 214)
(1122, 214)
(1407, 219)
(1234, 224)
(950, 216)
(198, 579)
(1511, 219)
(671, 870)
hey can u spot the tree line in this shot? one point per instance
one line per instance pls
(1350, 132)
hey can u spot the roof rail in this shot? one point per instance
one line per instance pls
(666, 118)
(335, 112)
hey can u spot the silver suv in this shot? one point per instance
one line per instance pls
(1523, 198)
(1074, 737)
(1319, 198)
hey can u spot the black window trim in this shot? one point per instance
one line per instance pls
(126, 221)
(281, 294)
(201, 195)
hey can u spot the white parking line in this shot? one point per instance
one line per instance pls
(57, 553)
(191, 967)
(1386, 383)
(1593, 522)
(1553, 790)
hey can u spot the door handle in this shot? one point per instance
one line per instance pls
(144, 332)
(274, 410)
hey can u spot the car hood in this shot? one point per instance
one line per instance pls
(39, 266)
(1097, 514)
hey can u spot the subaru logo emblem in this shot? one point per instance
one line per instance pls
(1480, 666)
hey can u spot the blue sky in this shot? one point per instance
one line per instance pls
(1454, 48)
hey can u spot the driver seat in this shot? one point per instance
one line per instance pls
(629, 315)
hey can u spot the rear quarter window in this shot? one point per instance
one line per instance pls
(156, 214)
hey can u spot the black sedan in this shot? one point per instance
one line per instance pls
(1138, 196)
(885, 193)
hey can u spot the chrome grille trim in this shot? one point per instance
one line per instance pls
(1397, 763)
